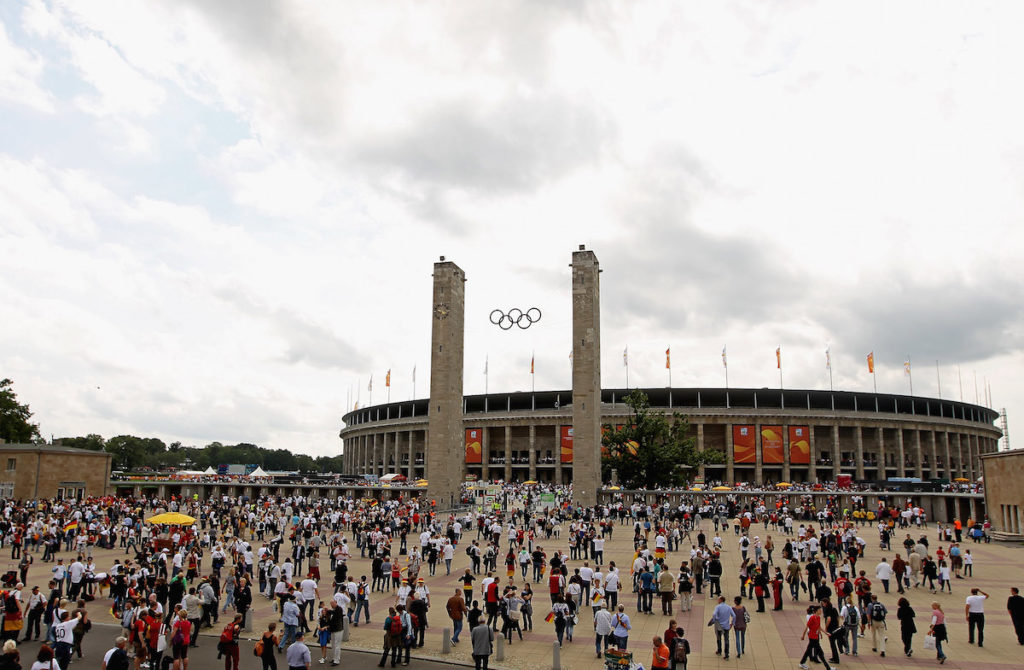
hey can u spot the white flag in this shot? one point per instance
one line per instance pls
(725, 362)
(625, 357)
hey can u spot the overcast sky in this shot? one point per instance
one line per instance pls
(218, 219)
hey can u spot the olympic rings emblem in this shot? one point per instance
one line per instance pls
(515, 317)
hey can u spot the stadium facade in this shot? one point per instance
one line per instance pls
(767, 435)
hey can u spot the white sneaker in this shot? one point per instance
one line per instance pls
(803, 667)
(321, 661)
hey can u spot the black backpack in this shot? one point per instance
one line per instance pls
(682, 648)
(878, 612)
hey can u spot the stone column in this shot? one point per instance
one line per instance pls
(586, 377)
(812, 473)
(533, 453)
(902, 465)
(836, 454)
(386, 440)
(919, 466)
(971, 450)
(949, 460)
(508, 453)
(445, 456)
(485, 455)
(730, 451)
(934, 455)
(786, 470)
(375, 463)
(959, 456)
(411, 465)
(860, 452)
(882, 472)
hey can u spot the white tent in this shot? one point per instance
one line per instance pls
(209, 470)
(258, 472)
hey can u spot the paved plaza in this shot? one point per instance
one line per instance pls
(773, 638)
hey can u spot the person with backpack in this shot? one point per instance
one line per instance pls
(228, 643)
(392, 638)
(180, 632)
(851, 621)
(362, 602)
(679, 649)
(876, 614)
(116, 658)
(408, 636)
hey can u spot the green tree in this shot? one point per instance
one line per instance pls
(15, 424)
(92, 442)
(652, 450)
(132, 452)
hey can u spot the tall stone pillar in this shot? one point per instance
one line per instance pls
(376, 458)
(837, 460)
(586, 376)
(485, 454)
(860, 453)
(533, 453)
(411, 465)
(508, 453)
(902, 465)
(758, 455)
(918, 454)
(786, 470)
(558, 455)
(933, 458)
(730, 458)
(883, 474)
(700, 447)
(445, 457)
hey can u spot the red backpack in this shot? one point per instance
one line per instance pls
(395, 628)
(227, 636)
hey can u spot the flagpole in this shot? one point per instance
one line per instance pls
(486, 379)
(533, 375)
(828, 362)
(413, 383)
(910, 376)
(938, 378)
(625, 363)
(778, 359)
(975, 387)
(668, 364)
(960, 377)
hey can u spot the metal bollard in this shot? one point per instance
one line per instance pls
(556, 657)
(446, 640)
(346, 632)
(499, 651)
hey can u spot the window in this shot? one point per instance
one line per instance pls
(11, 463)
(6, 489)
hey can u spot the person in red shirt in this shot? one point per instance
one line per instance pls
(812, 631)
(491, 603)
(555, 584)
(659, 659)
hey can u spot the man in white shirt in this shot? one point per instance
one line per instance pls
(602, 630)
(884, 573)
(974, 612)
(587, 576)
(611, 586)
(310, 594)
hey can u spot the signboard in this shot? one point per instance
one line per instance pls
(474, 449)
(547, 499)
(771, 444)
(744, 443)
(799, 445)
(566, 444)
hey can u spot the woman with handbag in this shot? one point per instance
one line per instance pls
(905, 613)
(937, 632)
(739, 626)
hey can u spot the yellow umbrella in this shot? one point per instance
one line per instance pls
(696, 488)
(614, 488)
(961, 479)
(529, 483)
(784, 484)
(172, 519)
(721, 488)
(421, 482)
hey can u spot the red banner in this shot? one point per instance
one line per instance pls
(744, 442)
(474, 449)
(799, 445)
(566, 445)
(771, 444)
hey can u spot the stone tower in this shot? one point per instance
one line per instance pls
(586, 376)
(446, 456)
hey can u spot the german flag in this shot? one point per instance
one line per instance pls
(71, 525)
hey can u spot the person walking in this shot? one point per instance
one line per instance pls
(740, 619)
(268, 641)
(938, 631)
(392, 638)
(457, 610)
(481, 636)
(621, 627)
(876, 613)
(297, 656)
(722, 618)
(812, 631)
(1015, 608)
(660, 656)
(851, 621)
(974, 612)
(602, 630)
(905, 613)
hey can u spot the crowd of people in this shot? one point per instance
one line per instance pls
(523, 565)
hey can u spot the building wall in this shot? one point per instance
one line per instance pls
(39, 473)
(866, 444)
(1004, 495)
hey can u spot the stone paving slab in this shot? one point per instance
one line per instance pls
(772, 637)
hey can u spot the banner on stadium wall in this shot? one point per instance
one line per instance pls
(771, 444)
(799, 445)
(744, 442)
(474, 447)
(566, 444)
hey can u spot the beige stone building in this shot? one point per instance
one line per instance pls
(1004, 493)
(46, 471)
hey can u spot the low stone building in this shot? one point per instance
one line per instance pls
(29, 471)
(1004, 493)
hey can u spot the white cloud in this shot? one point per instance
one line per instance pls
(20, 72)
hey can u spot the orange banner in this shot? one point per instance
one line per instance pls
(799, 445)
(744, 443)
(566, 450)
(771, 444)
(474, 449)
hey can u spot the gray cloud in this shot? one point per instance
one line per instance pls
(307, 342)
